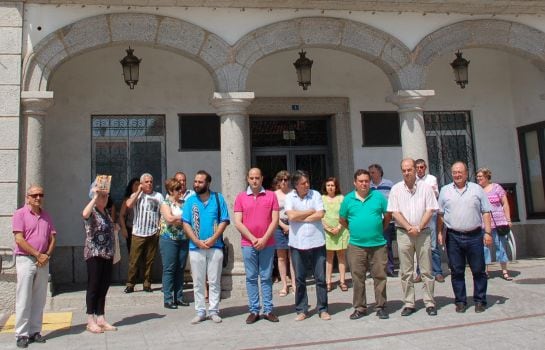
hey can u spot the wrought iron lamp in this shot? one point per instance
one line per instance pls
(460, 68)
(303, 66)
(131, 66)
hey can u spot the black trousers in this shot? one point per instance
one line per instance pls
(99, 277)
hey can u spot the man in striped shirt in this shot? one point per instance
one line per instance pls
(412, 205)
(147, 204)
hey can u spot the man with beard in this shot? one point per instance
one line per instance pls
(205, 217)
(147, 205)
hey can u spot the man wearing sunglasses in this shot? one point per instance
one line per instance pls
(34, 242)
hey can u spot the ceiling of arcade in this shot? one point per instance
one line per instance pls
(477, 7)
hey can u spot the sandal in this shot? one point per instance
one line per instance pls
(328, 287)
(487, 275)
(94, 329)
(506, 276)
(108, 327)
(283, 293)
(343, 287)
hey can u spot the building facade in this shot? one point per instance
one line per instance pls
(218, 91)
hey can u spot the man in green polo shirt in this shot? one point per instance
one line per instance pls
(363, 212)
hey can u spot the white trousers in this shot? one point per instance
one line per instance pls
(206, 262)
(31, 295)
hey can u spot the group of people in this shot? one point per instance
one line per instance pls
(300, 225)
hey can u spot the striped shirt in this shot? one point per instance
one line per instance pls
(412, 204)
(462, 209)
(146, 214)
(384, 187)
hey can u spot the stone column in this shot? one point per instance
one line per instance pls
(413, 132)
(232, 107)
(34, 109)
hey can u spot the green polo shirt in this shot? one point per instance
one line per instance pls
(364, 218)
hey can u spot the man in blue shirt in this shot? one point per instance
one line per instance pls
(205, 217)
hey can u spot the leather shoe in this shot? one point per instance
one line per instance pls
(22, 342)
(440, 278)
(147, 289)
(408, 311)
(391, 274)
(357, 314)
(460, 308)
(252, 318)
(431, 310)
(182, 302)
(479, 307)
(128, 290)
(36, 338)
(171, 306)
(271, 317)
(381, 313)
(417, 279)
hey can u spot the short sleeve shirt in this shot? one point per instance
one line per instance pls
(147, 211)
(203, 217)
(412, 204)
(256, 213)
(462, 209)
(365, 218)
(36, 229)
(305, 235)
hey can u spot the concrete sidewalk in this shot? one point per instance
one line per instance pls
(514, 319)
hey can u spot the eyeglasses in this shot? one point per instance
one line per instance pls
(36, 195)
(177, 189)
(284, 180)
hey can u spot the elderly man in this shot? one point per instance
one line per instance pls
(431, 180)
(147, 208)
(205, 217)
(305, 210)
(256, 218)
(412, 205)
(463, 207)
(378, 182)
(34, 243)
(363, 212)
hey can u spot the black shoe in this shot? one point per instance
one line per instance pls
(147, 289)
(128, 290)
(182, 302)
(171, 306)
(381, 313)
(479, 307)
(36, 338)
(408, 311)
(22, 342)
(460, 308)
(252, 318)
(431, 310)
(357, 314)
(391, 274)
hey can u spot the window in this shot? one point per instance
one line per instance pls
(126, 147)
(449, 138)
(199, 132)
(532, 152)
(380, 129)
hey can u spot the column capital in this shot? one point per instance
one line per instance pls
(410, 100)
(36, 102)
(228, 103)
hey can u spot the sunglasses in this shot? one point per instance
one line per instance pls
(284, 180)
(36, 195)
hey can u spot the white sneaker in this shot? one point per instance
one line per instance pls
(215, 318)
(198, 319)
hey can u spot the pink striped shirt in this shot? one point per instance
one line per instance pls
(412, 204)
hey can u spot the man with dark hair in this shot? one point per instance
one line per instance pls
(463, 208)
(305, 210)
(384, 186)
(205, 217)
(363, 212)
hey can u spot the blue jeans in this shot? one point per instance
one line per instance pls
(317, 259)
(259, 264)
(470, 248)
(499, 243)
(388, 235)
(174, 257)
(435, 248)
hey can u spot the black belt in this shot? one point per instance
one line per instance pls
(476, 231)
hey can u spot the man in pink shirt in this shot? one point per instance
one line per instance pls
(256, 218)
(34, 242)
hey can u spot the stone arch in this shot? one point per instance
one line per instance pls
(362, 40)
(111, 29)
(512, 37)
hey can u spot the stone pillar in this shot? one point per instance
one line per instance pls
(232, 107)
(35, 105)
(411, 117)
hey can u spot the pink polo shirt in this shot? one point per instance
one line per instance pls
(256, 213)
(36, 229)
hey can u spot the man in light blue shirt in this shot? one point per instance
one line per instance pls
(305, 210)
